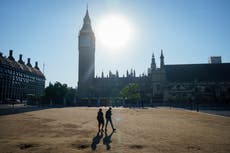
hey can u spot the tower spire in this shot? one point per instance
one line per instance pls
(86, 18)
(162, 59)
(87, 13)
(86, 28)
(153, 63)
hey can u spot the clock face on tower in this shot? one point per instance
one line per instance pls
(84, 41)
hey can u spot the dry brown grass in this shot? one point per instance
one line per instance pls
(72, 130)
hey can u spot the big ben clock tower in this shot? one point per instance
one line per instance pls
(86, 47)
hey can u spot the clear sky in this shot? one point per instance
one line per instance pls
(189, 31)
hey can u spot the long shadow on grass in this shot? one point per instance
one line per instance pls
(107, 140)
(96, 140)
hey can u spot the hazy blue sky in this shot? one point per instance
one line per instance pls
(189, 31)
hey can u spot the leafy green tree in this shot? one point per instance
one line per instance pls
(131, 92)
(70, 95)
(58, 93)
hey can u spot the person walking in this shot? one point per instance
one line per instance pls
(100, 119)
(109, 119)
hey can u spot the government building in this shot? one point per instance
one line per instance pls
(19, 80)
(179, 83)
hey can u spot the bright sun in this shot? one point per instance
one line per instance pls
(113, 31)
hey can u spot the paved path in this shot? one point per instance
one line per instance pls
(217, 112)
(6, 109)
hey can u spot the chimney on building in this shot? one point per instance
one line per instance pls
(214, 60)
(28, 62)
(36, 65)
(11, 55)
(102, 74)
(20, 59)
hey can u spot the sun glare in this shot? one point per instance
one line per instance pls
(113, 31)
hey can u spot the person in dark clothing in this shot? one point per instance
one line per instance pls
(100, 119)
(109, 119)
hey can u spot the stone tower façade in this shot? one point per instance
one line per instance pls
(86, 47)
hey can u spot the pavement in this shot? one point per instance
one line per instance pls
(6, 109)
(217, 112)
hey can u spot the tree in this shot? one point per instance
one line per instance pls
(70, 96)
(131, 92)
(58, 93)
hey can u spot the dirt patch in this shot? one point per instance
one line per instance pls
(193, 148)
(80, 146)
(85, 122)
(136, 146)
(47, 120)
(71, 126)
(24, 146)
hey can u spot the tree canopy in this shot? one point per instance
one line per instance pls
(57, 92)
(131, 92)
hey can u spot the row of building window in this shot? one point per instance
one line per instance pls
(18, 84)
(20, 75)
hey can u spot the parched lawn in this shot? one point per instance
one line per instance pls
(155, 130)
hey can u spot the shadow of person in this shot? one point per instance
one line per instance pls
(107, 140)
(96, 140)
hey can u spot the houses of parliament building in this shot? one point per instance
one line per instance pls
(181, 82)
